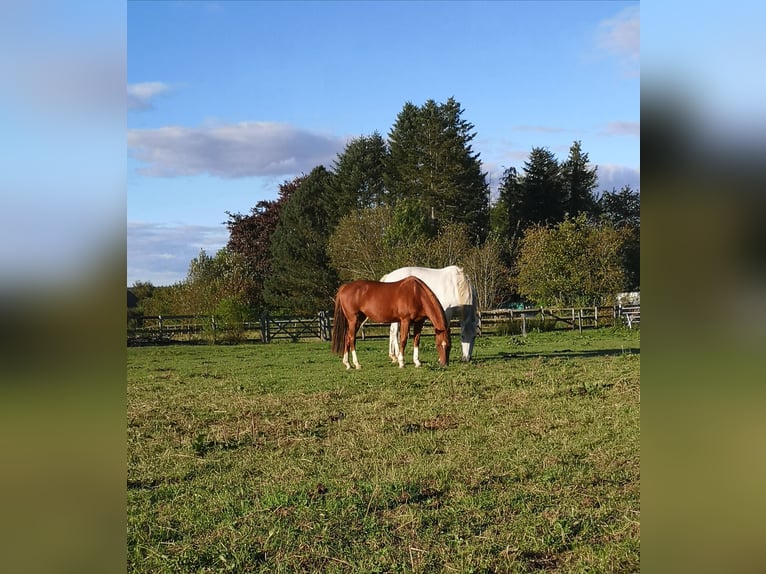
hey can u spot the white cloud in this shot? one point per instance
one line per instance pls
(611, 176)
(161, 253)
(142, 95)
(621, 37)
(622, 129)
(246, 149)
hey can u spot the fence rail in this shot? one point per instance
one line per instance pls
(192, 328)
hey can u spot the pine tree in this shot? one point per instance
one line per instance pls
(359, 174)
(621, 208)
(301, 279)
(544, 200)
(431, 165)
(402, 169)
(579, 181)
(534, 197)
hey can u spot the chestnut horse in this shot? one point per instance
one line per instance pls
(406, 301)
(455, 293)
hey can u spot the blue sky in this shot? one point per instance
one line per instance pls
(226, 100)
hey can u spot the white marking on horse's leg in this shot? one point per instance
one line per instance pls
(415, 353)
(353, 358)
(345, 360)
(400, 358)
(393, 341)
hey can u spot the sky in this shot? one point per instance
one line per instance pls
(227, 100)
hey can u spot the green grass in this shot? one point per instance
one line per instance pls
(274, 458)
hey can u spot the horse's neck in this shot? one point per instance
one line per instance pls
(436, 311)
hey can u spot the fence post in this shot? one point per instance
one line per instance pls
(265, 327)
(523, 323)
(324, 327)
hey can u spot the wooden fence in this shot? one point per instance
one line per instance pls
(191, 328)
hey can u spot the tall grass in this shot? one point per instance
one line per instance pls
(274, 458)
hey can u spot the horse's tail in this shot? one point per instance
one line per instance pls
(339, 328)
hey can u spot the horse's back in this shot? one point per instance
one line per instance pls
(376, 299)
(449, 284)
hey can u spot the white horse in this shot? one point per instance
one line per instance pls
(456, 295)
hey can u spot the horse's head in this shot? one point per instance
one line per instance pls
(443, 345)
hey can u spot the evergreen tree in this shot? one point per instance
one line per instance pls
(250, 237)
(621, 208)
(508, 213)
(579, 181)
(535, 197)
(301, 279)
(431, 164)
(359, 174)
(543, 196)
(405, 145)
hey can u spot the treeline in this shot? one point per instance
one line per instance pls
(419, 197)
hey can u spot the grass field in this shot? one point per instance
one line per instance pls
(274, 458)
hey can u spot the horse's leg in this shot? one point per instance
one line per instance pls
(468, 330)
(416, 329)
(465, 351)
(393, 342)
(404, 331)
(345, 350)
(353, 326)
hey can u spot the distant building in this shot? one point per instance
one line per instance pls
(629, 298)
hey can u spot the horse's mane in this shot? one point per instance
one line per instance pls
(432, 298)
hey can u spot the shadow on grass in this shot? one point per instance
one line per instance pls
(563, 353)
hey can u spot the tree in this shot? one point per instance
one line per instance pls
(359, 174)
(484, 265)
(543, 197)
(535, 197)
(370, 258)
(573, 263)
(623, 210)
(450, 247)
(579, 182)
(384, 248)
(157, 300)
(431, 164)
(250, 237)
(210, 280)
(301, 279)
